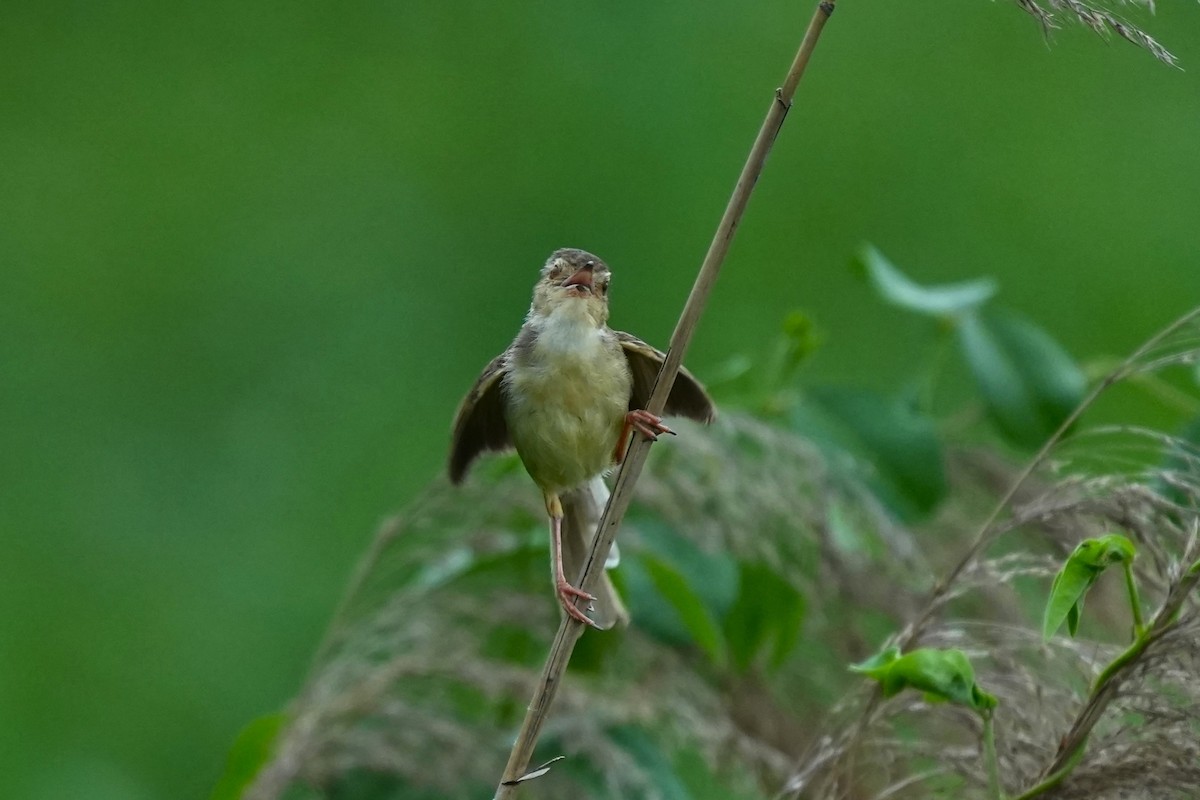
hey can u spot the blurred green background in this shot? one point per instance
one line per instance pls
(251, 256)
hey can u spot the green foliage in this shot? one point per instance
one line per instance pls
(1082, 569)
(739, 613)
(676, 590)
(738, 616)
(943, 676)
(252, 748)
(882, 441)
(253, 252)
(701, 627)
(947, 300)
(889, 442)
(744, 381)
(670, 773)
(765, 620)
(1028, 382)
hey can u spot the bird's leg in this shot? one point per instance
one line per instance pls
(567, 594)
(644, 423)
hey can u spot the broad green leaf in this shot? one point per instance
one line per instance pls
(1081, 569)
(942, 675)
(1028, 382)
(882, 441)
(766, 616)
(252, 748)
(898, 289)
(712, 575)
(690, 609)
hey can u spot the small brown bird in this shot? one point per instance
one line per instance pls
(567, 393)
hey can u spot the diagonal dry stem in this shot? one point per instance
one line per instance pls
(569, 630)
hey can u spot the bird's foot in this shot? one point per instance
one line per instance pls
(567, 595)
(646, 424)
(643, 422)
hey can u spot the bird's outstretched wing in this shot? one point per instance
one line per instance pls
(687, 398)
(480, 425)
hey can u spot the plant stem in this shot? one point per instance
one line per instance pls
(570, 630)
(1055, 779)
(1135, 602)
(988, 530)
(1106, 685)
(990, 759)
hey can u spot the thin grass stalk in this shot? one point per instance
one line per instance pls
(569, 630)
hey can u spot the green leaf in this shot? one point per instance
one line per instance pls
(767, 614)
(1103, 552)
(1066, 597)
(1028, 382)
(898, 289)
(877, 666)
(712, 575)
(1081, 569)
(942, 675)
(690, 609)
(252, 748)
(881, 441)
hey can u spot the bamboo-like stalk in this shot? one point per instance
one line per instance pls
(570, 630)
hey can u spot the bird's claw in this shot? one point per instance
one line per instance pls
(567, 595)
(647, 424)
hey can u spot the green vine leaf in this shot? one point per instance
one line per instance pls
(943, 675)
(1081, 569)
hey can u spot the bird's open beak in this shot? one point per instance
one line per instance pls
(582, 279)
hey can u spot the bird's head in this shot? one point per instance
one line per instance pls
(573, 282)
